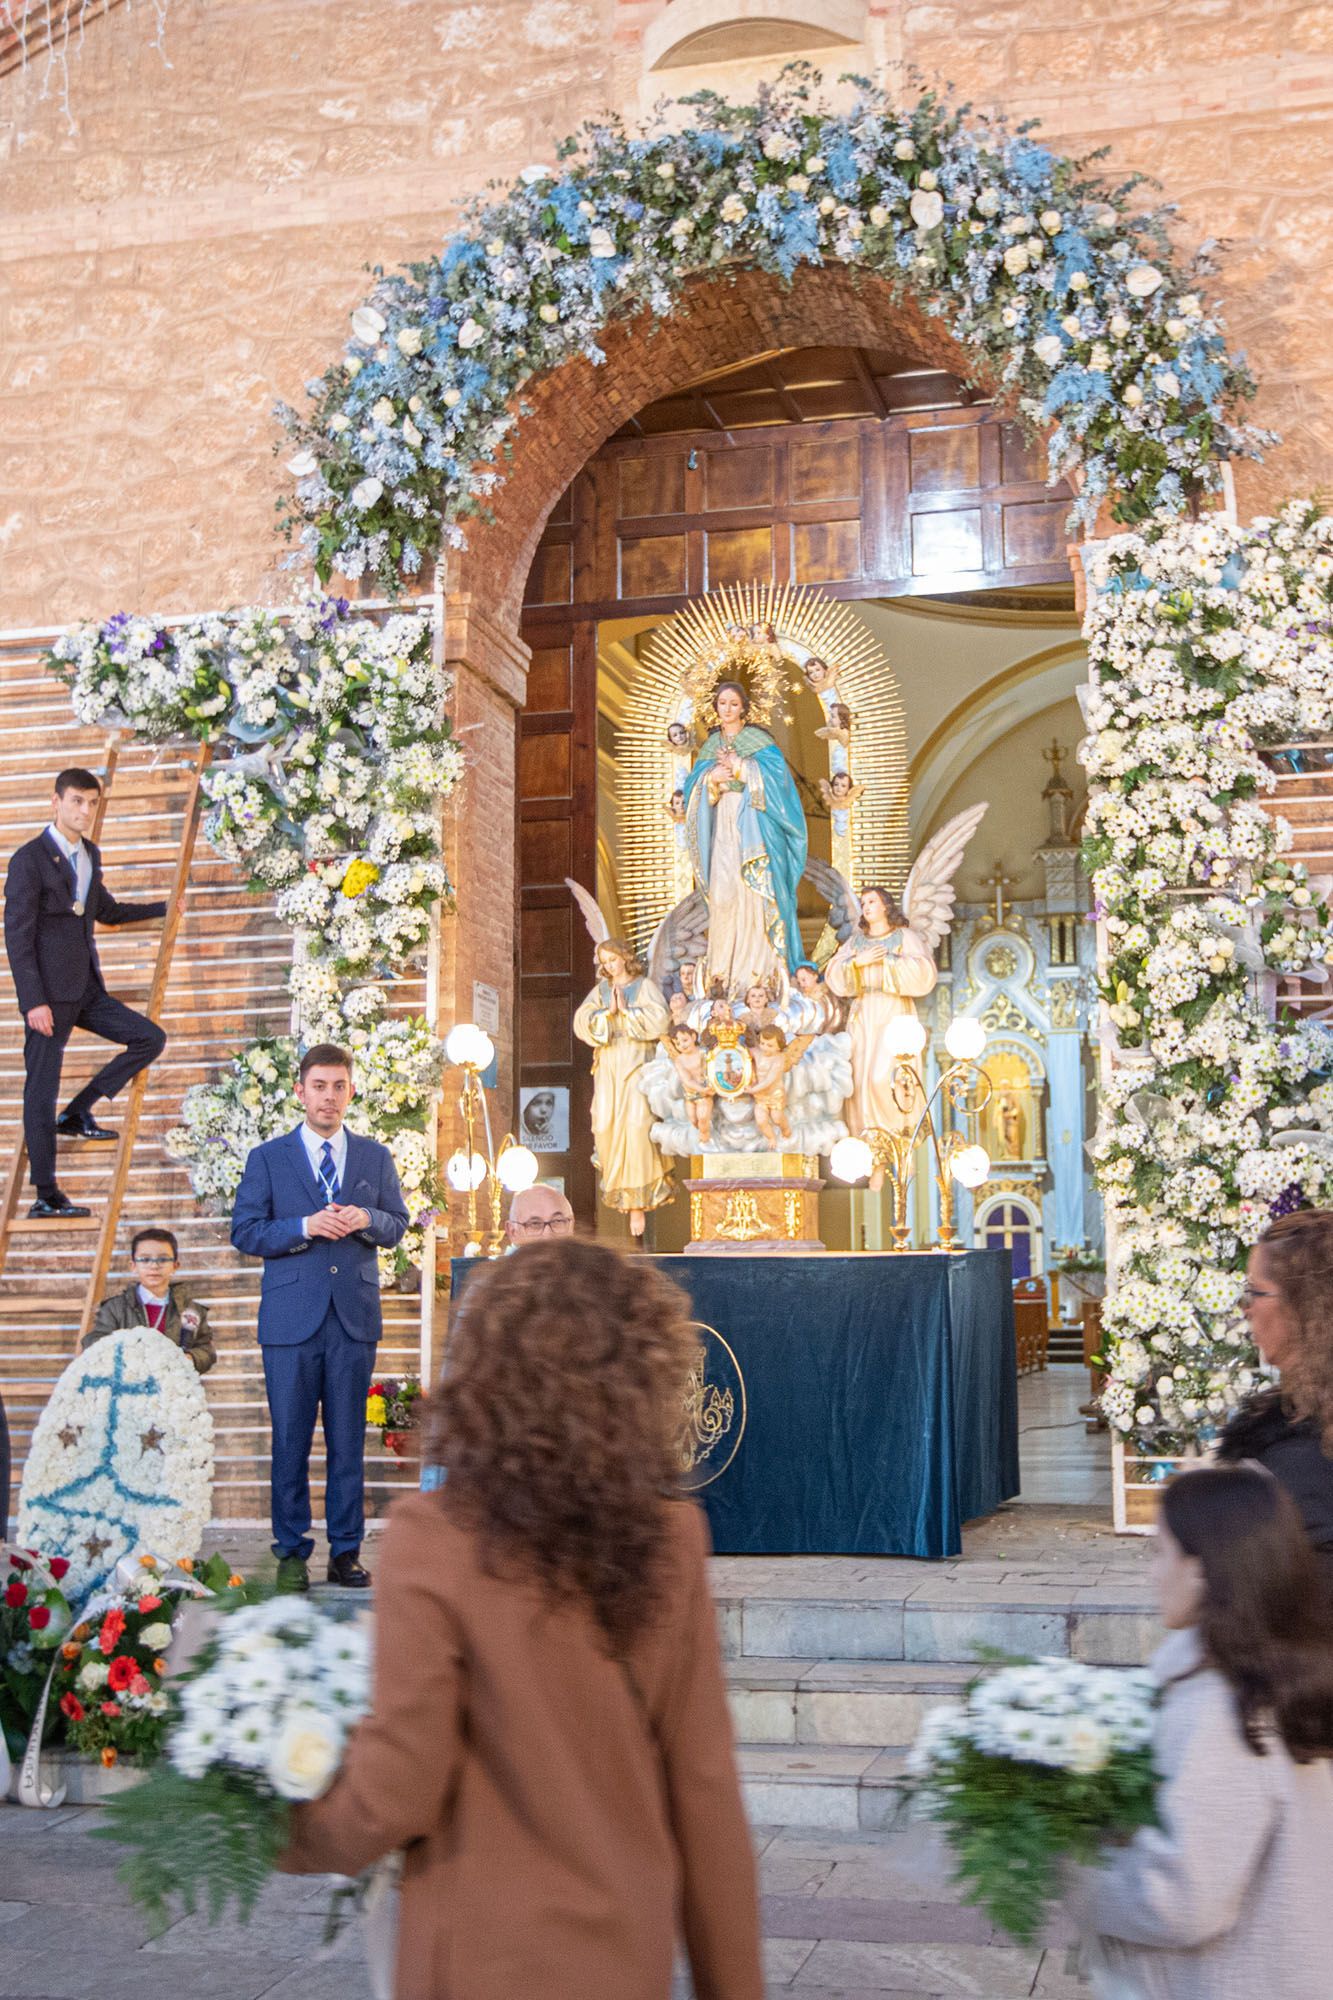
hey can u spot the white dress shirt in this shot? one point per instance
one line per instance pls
(75, 851)
(314, 1143)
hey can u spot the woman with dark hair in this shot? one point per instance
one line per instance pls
(1228, 1896)
(549, 1739)
(1288, 1301)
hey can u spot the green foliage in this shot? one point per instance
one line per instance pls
(1012, 1825)
(209, 1841)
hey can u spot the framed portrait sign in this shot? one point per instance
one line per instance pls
(543, 1118)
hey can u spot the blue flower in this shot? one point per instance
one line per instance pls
(844, 172)
(1030, 164)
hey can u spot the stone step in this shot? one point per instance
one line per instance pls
(821, 1785)
(846, 1703)
(853, 1609)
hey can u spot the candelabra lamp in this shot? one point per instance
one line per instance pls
(471, 1170)
(929, 1118)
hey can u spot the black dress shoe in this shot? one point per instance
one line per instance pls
(62, 1207)
(293, 1574)
(82, 1125)
(346, 1570)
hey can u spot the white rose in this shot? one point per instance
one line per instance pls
(927, 208)
(384, 412)
(879, 216)
(1100, 356)
(1016, 259)
(470, 334)
(601, 243)
(353, 364)
(1009, 316)
(827, 205)
(1119, 324)
(451, 398)
(928, 180)
(666, 171)
(988, 202)
(734, 209)
(816, 163)
(368, 325)
(94, 1675)
(157, 1636)
(305, 1754)
(798, 183)
(303, 465)
(367, 493)
(1302, 898)
(411, 435)
(780, 146)
(1177, 329)
(549, 313)
(1132, 396)
(1048, 349)
(904, 150)
(408, 339)
(339, 422)
(1142, 280)
(1168, 382)
(1052, 221)
(1078, 281)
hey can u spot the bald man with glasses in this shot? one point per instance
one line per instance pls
(537, 1213)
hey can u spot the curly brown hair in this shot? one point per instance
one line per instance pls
(557, 1417)
(1298, 1255)
(634, 965)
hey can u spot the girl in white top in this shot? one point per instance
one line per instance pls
(1230, 1897)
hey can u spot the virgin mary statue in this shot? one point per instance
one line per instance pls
(748, 846)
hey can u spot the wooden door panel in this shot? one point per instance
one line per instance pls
(741, 477)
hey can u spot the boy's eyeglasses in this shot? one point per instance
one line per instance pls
(154, 1260)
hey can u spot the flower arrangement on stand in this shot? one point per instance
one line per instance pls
(35, 1615)
(392, 1409)
(340, 756)
(1208, 644)
(1043, 1763)
(1068, 291)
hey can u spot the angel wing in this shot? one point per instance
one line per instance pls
(598, 928)
(929, 896)
(680, 938)
(844, 911)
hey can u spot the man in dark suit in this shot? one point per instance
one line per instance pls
(54, 894)
(316, 1205)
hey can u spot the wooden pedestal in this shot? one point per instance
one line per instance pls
(753, 1202)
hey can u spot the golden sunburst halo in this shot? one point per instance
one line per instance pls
(761, 635)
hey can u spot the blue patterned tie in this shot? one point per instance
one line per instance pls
(328, 1174)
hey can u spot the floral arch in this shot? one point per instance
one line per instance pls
(1062, 292)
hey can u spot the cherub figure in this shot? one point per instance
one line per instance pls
(678, 1006)
(675, 808)
(839, 792)
(838, 728)
(819, 676)
(809, 982)
(682, 1046)
(773, 1058)
(677, 736)
(759, 1011)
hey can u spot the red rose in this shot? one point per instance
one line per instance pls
(71, 1706)
(112, 1627)
(123, 1671)
(16, 1594)
(110, 1708)
(17, 1562)
(147, 1604)
(58, 1565)
(39, 1617)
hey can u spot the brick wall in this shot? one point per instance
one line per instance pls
(191, 251)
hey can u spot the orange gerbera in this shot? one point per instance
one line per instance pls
(235, 1580)
(159, 1668)
(69, 1651)
(109, 1756)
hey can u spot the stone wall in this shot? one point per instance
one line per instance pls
(191, 250)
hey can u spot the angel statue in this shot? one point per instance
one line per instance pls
(748, 846)
(887, 963)
(622, 1020)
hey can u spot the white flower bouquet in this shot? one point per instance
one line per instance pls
(1045, 1762)
(259, 1722)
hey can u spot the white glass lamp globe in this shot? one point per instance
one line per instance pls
(905, 1036)
(965, 1038)
(517, 1168)
(468, 1046)
(851, 1160)
(462, 1173)
(970, 1166)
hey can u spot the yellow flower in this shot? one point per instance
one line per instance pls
(360, 874)
(375, 1410)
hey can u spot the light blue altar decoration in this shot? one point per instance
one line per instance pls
(774, 841)
(121, 1462)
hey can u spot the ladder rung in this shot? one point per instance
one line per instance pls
(42, 1302)
(53, 1223)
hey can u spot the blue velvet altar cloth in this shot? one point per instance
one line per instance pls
(881, 1393)
(881, 1398)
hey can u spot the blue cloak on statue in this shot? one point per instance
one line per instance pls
(774, 841)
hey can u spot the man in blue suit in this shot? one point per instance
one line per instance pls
(316, 1205)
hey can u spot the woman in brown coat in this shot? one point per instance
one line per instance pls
(549, 1740)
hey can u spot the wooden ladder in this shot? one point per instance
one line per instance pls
(105, 1226)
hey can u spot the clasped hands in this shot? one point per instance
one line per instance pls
(339, 1219)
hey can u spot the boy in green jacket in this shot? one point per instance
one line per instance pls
(156, 1299)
